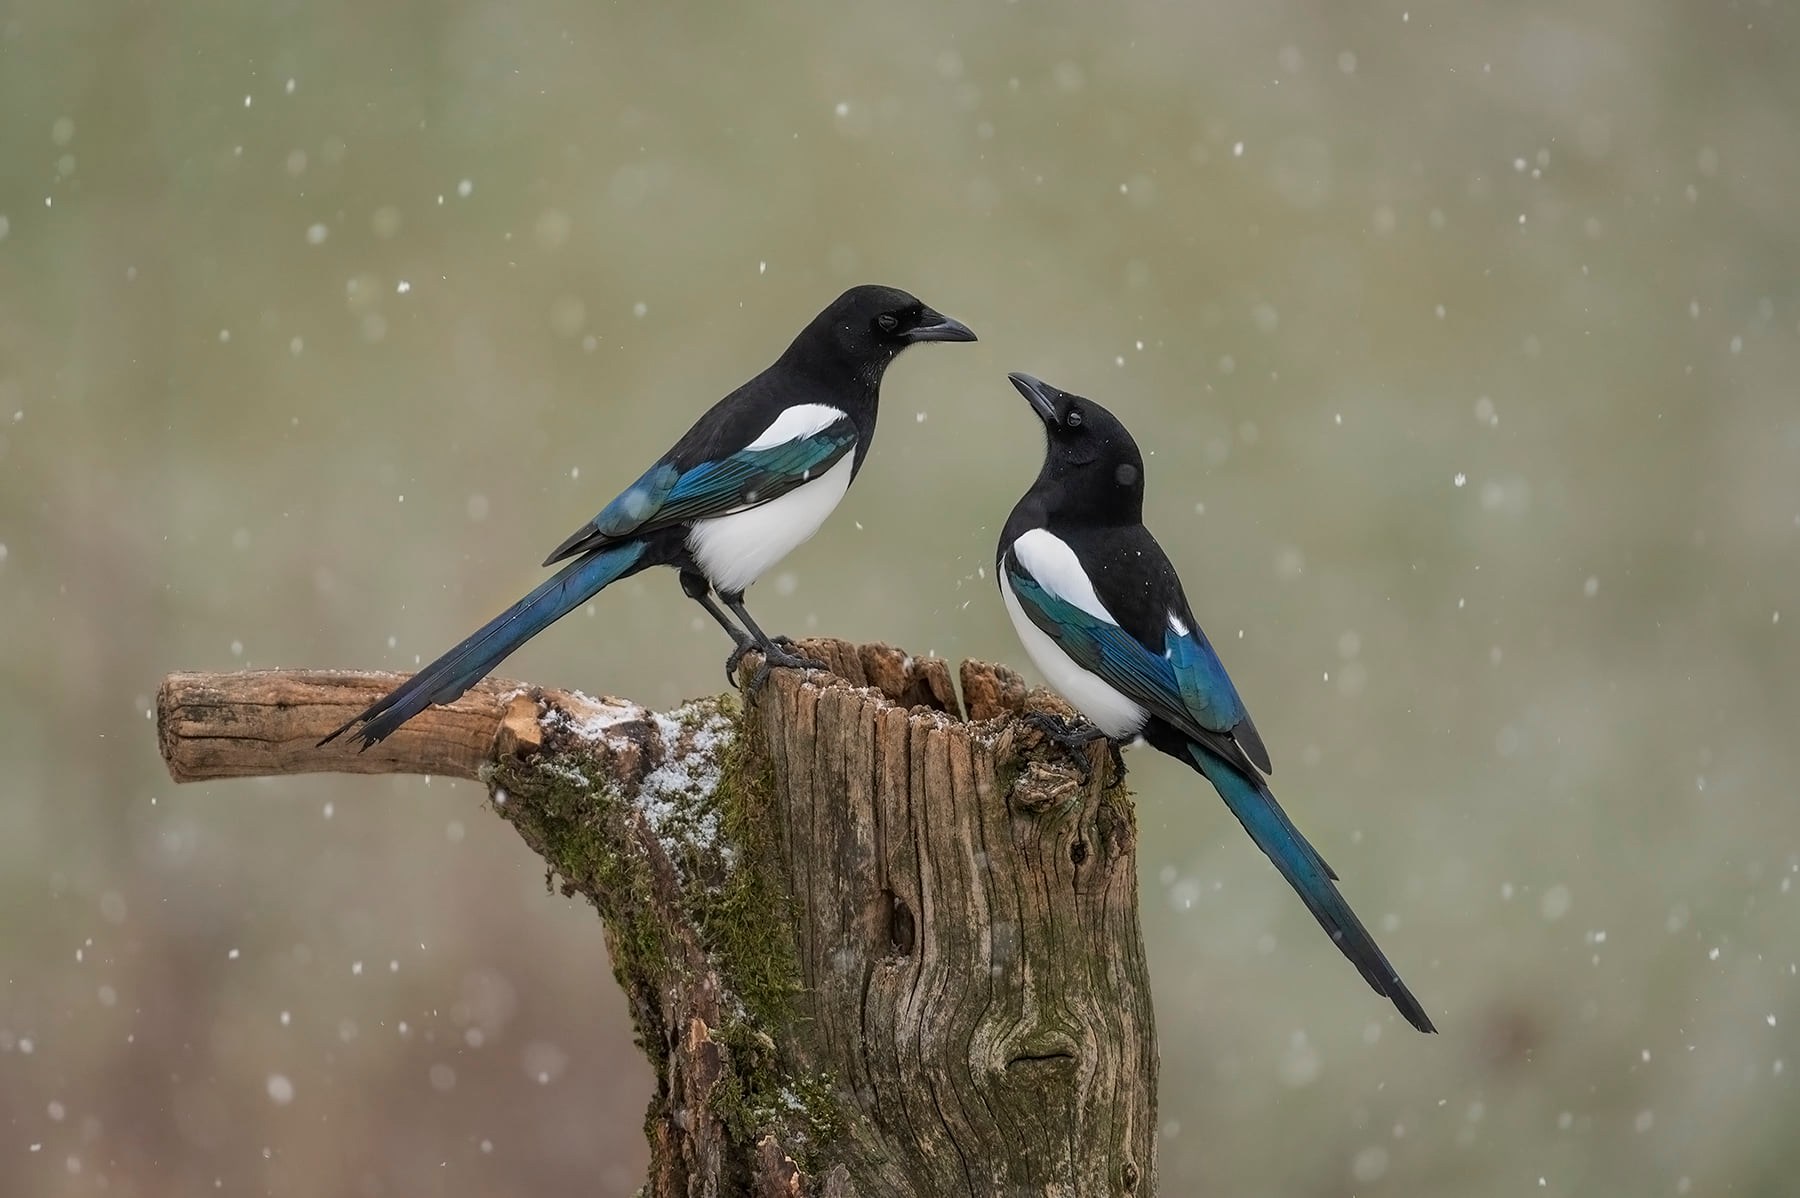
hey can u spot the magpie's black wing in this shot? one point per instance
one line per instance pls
(1158, 651)
(801, 444)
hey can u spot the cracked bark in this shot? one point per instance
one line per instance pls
(871, 948)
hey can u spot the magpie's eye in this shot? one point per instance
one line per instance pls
(887, 322)
(1073, 418)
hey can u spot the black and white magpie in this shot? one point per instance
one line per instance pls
(1101, 612)
(752, 479)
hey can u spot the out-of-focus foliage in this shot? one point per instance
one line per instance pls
(1462, 339)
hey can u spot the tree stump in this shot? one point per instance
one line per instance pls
(871, 948)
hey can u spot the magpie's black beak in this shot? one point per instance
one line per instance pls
(935, 326)
(1040, 395)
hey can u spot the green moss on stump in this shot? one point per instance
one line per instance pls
(711, 812)
(577, 827)
(753, 947)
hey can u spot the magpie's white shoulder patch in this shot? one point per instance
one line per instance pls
(796, 424)
(1176, 626)
(1048, 558)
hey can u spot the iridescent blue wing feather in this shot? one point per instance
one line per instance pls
(1171, 686)
(755, 476)
(1185, 685)
(1207, 692)
(667, 495)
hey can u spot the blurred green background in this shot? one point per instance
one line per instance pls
(1463, 343)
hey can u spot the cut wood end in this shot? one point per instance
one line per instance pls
(521, 731)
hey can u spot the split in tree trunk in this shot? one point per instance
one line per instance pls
(871, 949)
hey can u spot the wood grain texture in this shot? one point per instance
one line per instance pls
(969, 949)
(258, 723)
(871, 949)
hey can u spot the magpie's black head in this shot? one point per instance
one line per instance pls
(867, 326)
(1092, 466)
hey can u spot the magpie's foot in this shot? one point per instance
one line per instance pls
(777, 658)
(736, 659)
(1073, 737)
(1069, 734)
(783, 642)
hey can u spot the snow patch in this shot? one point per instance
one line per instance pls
(567, 773)
(678, 796)
(592, 719)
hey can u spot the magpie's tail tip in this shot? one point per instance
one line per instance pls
(1414, 1014)
(336, 732)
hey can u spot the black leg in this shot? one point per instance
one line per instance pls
(700, 591)
(775, 655)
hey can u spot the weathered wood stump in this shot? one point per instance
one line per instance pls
(871, 948)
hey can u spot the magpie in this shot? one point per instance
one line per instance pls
(751, 480)
(1101, 612)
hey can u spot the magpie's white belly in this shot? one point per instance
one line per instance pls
(735, 550)
(1110, 711)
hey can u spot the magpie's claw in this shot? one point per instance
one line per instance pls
(777, 658)
(1074, 738)
(1118, 761)
(736, 659)
(1069, 734)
